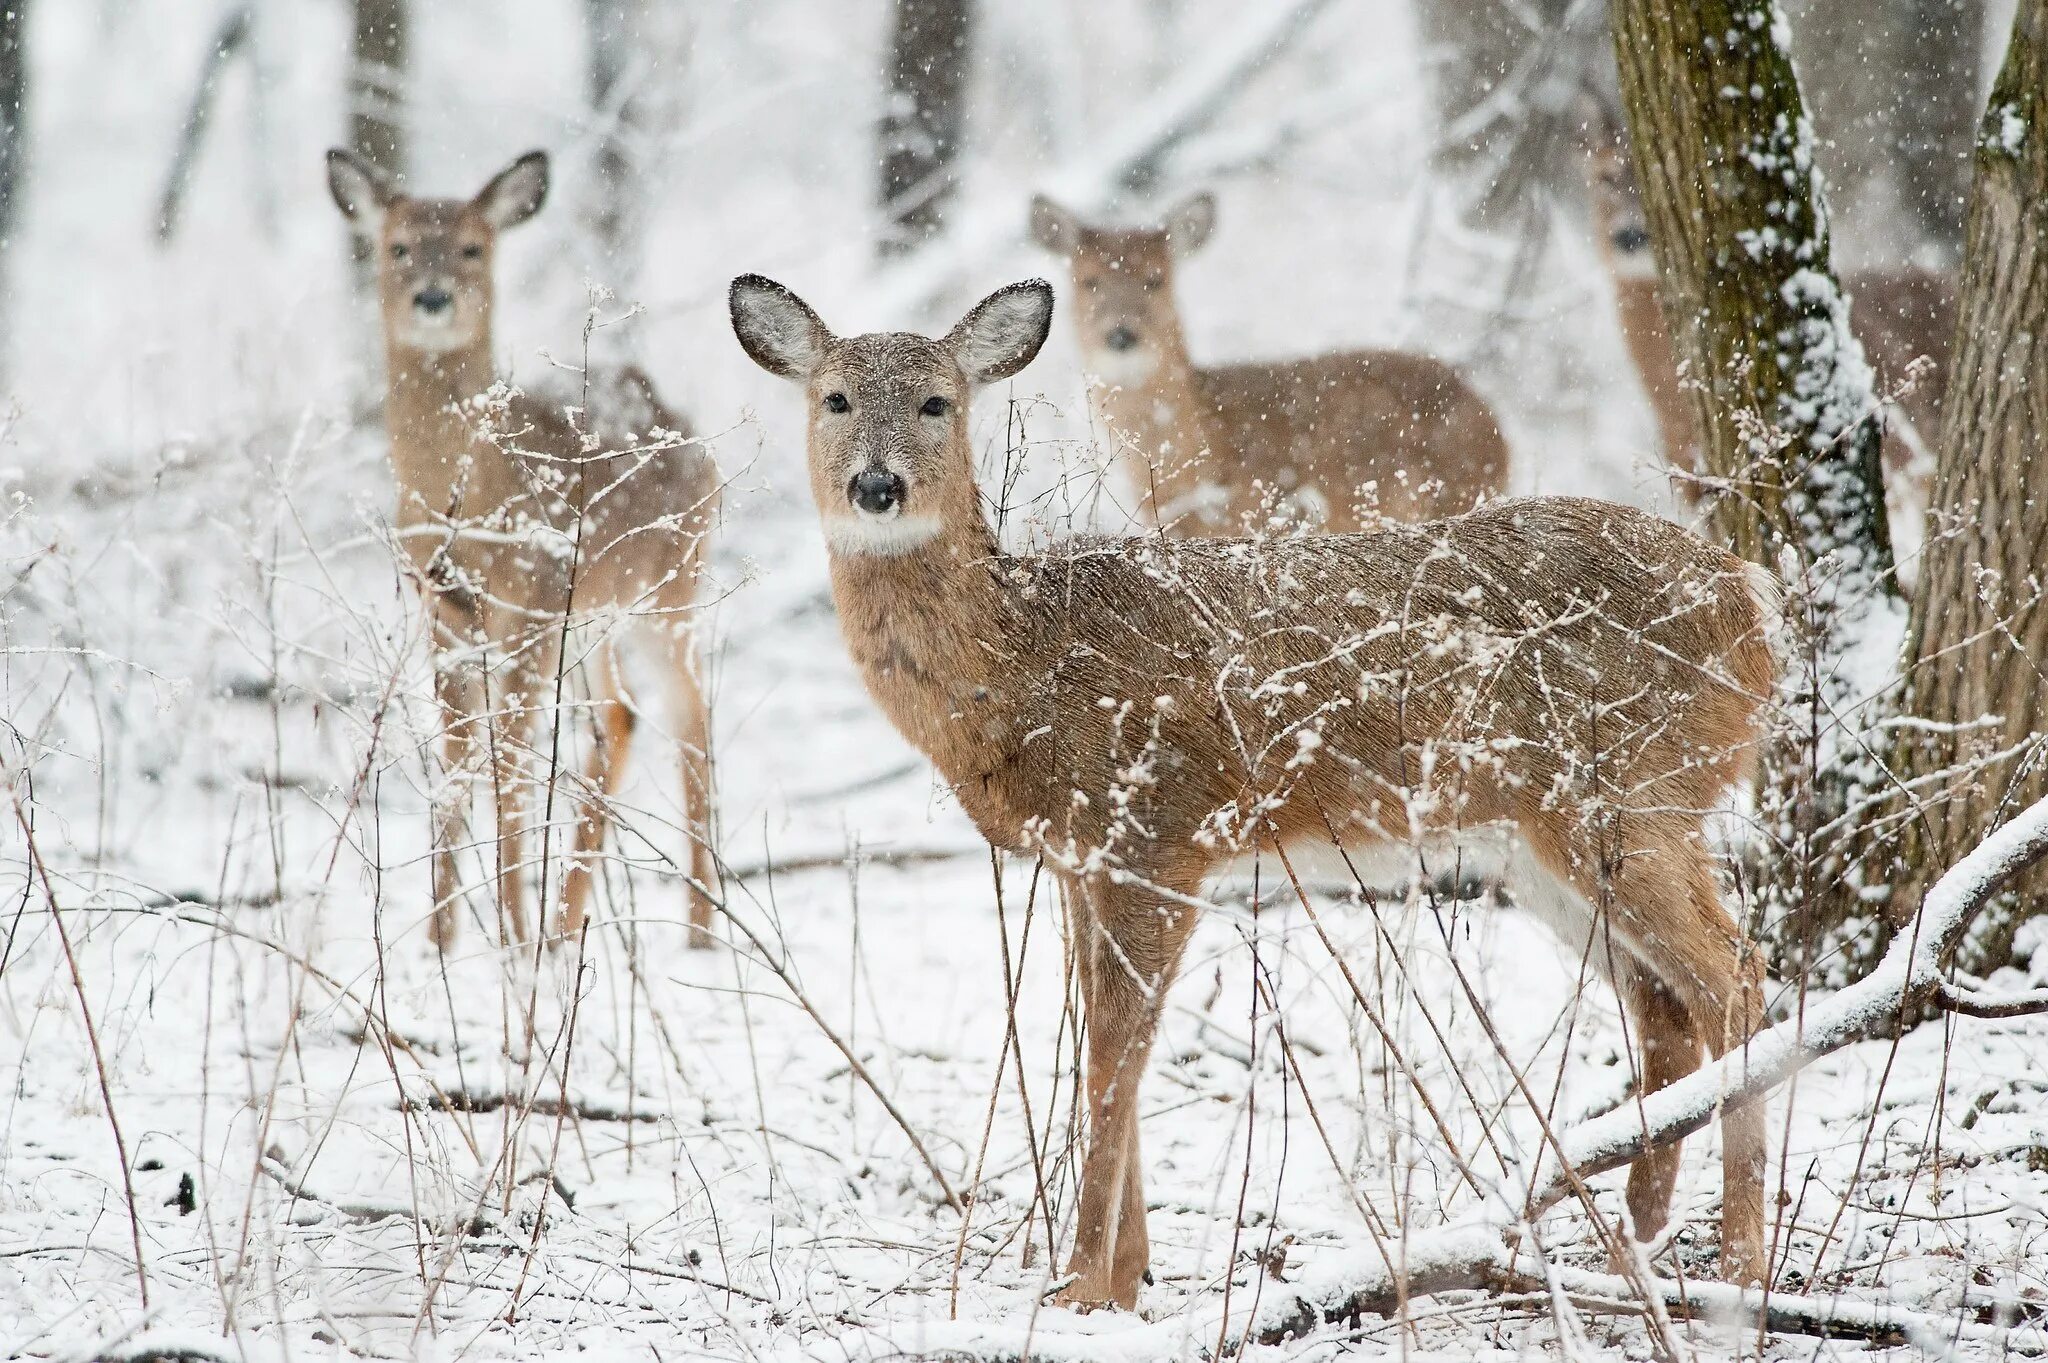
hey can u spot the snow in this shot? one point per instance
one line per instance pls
(215, 715)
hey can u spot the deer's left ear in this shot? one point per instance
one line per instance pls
(1003, 332)
(1188, 227)
(516, 192)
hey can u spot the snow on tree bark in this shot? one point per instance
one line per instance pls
(1973, 746)
(1790, 459)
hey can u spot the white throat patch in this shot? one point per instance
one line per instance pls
(882, 536)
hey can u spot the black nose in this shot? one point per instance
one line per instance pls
(1120, 338)
(1631, 239)
(432, 300)
(875, 491)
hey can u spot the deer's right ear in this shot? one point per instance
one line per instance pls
(776, 328)
(360, 191)
(1053, 227)
(1189, 225)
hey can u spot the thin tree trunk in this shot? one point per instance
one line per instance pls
(1977, 693)
(376, 103)
(1790, 437)
(921, 127)
(13, 149)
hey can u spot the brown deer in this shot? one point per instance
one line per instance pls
(1336, 440)
(517, 519)
(1901, 315)
(1547, 693)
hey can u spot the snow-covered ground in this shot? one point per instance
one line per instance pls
(216, 741)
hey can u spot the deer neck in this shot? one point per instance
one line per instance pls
(1156, 424)
(427, 410)
(935, 629)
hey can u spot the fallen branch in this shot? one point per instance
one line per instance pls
(1476, 1256)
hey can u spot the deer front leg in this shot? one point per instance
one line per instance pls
(1128, 947)
(458, 691)
(606, 772)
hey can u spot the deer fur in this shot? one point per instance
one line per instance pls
(1550, 692)
(516, 519)
(1335, 441)
(1902, 315)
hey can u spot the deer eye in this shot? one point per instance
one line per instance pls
(935, 406)
(836, 402)
(399, 251)
(472, 251)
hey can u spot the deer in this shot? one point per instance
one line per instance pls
(515, 519)
(1905, 317)
(1545, 694)
(1332, 440)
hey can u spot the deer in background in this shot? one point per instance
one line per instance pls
(1901, 315)
(1338, 439)
(1550, 694)
(515, 520)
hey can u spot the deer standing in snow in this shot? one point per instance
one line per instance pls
(516, 520)
(1901, 315)
(1333, 440)
(1548, 693)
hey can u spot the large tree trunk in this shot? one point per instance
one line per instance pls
(921, 127)
(13, 148)
(1790, 439)
(1977, 692)
(376, 104)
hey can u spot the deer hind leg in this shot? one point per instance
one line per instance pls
(526, 684)
(458, 693)
(616, 722)
(1128, 943)
(693, 730)
(1667, 908)
(1669, 1049)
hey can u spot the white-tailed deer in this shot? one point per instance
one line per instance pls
(517, 520)
(1901, 315)
(1331, 440)
(1550, 694)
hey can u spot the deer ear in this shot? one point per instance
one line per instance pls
(777, 329)
(1003, 332)
(360, 190)
(516, 192)
(1190, 224)
(1053, 227)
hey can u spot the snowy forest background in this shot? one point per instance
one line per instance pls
(246, 1111)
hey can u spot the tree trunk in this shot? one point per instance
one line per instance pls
(1977, 693)
(376, 100)
(921, 127)
(13, 149)
(1790, 437)
(1938, 45)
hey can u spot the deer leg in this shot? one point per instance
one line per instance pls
(693, 730)
(1745, 1147)
(1129, 946)
(512, 731)
(458, 692)
(616, 722)
(1668, 1050)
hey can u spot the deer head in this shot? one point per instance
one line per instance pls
(434, 255)
(890, 463)
(1123, 283)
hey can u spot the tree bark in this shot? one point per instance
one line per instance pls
(376, 100)
(921, 127)
(1975, 743)
(13, 150)
(1789, 457)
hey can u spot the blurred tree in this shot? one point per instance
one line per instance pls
(1894, 89)
(632, 84)
(1789, 422)
(13, 142)
(376, 100)
(1975, 749)
(921, 125)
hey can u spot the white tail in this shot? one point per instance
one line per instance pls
(515, 523)
(1338, 440)
(1550, 693)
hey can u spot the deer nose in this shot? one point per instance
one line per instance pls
(1120, 338)
(1631, 239)
(875, 491)
(432, 300)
